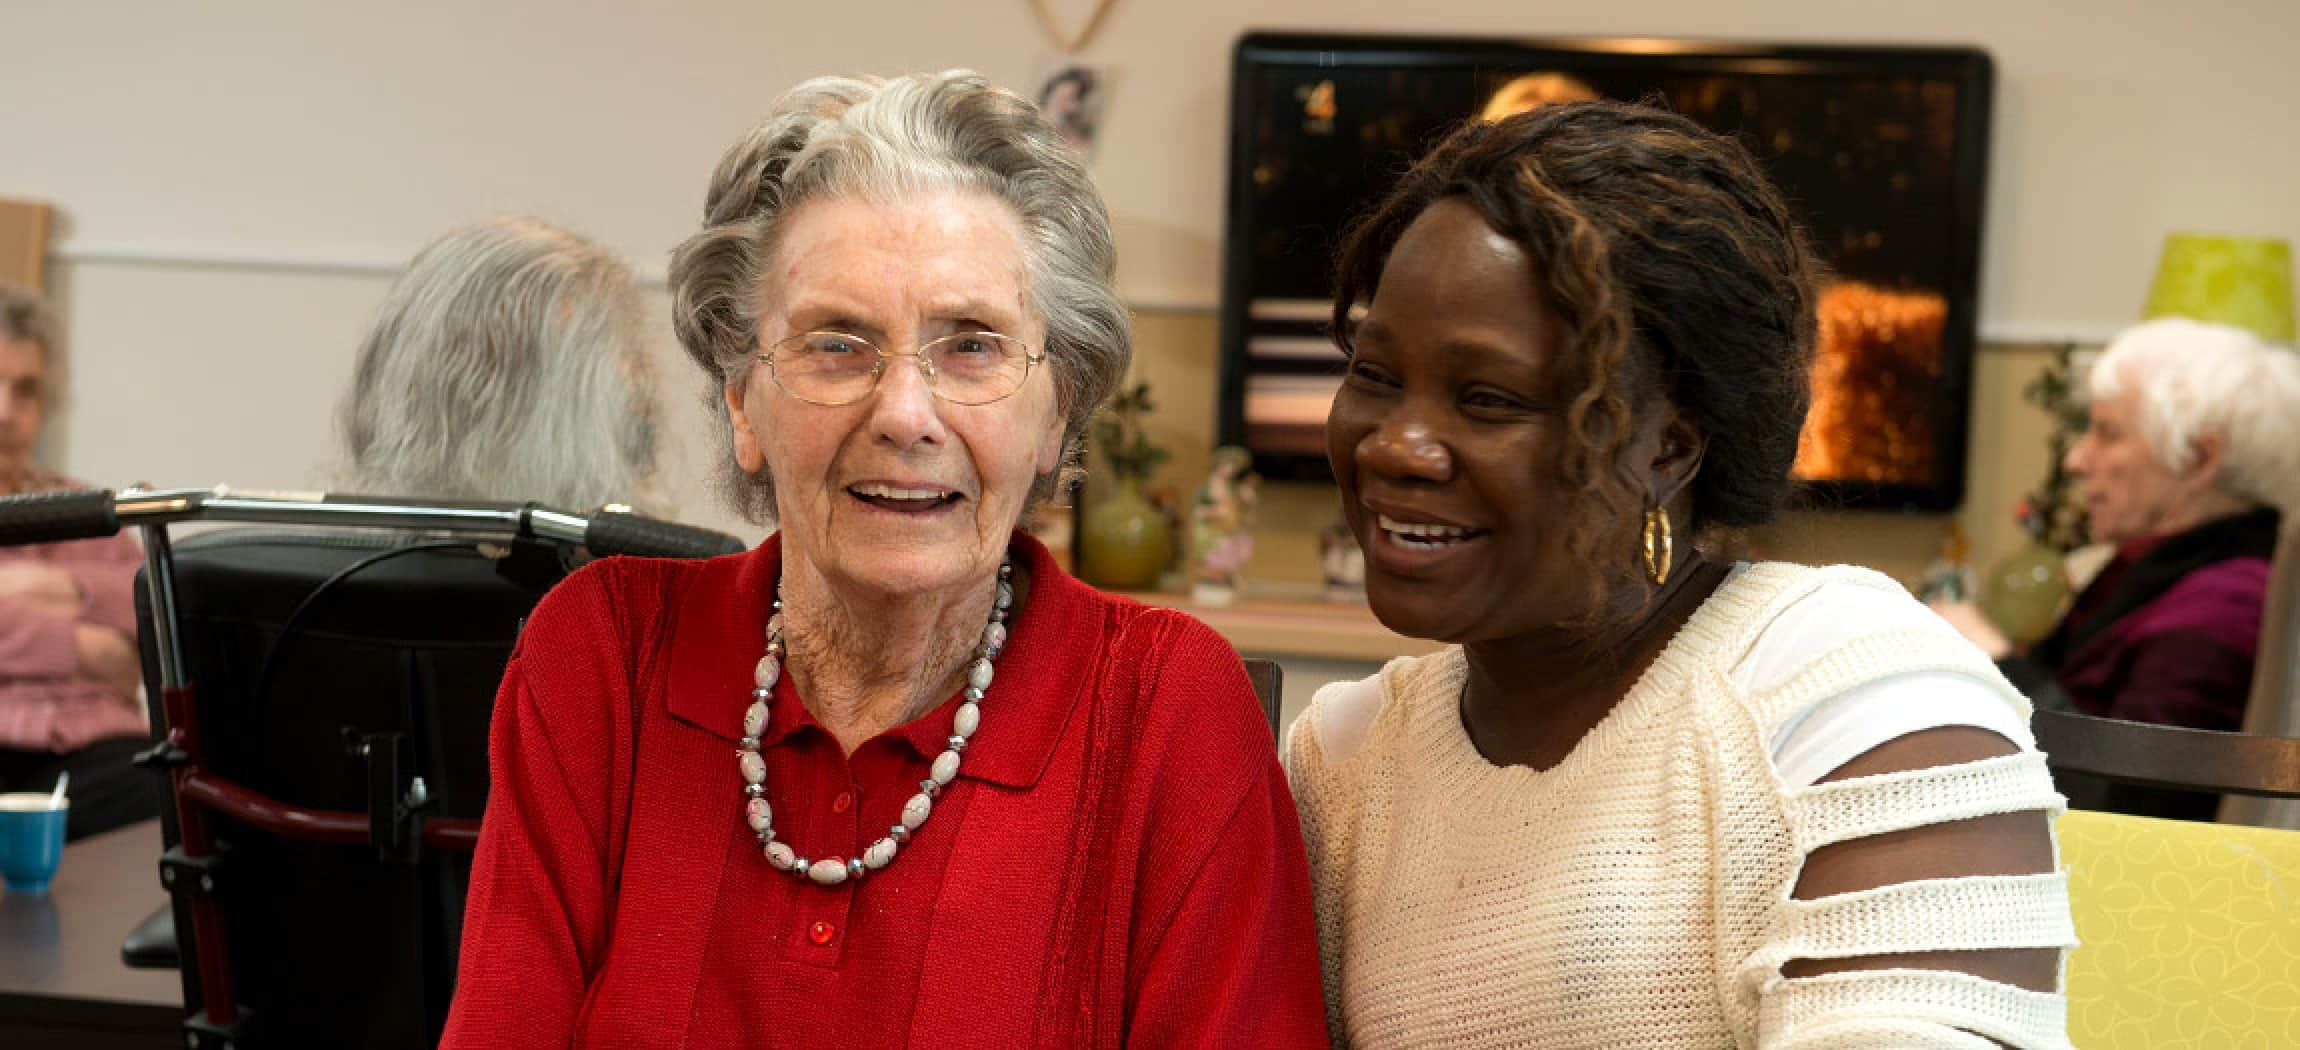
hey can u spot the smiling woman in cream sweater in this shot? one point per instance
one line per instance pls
(1654, 797)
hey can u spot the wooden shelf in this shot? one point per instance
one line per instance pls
(1282, 627)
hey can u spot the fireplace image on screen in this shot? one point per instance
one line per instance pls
(1883, 152)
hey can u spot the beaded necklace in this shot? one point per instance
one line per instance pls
(760, 814)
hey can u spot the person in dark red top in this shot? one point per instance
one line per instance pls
(893, 778)
(2190, 461)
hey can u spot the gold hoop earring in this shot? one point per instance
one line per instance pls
(1658, 548)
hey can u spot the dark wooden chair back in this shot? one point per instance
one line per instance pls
(2273, 707)
(2168, 756)
(1269, 682)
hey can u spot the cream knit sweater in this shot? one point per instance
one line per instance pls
(1637, 894)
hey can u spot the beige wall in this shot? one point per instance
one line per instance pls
(236, 182)
(348, 134)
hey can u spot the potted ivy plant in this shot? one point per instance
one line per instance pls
(1125, 543)
(2024, 592)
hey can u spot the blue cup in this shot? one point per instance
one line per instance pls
(31, 840)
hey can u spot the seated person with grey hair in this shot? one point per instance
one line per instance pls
(506, 363)
(2191, 459)
(893, 778)
(68, 672)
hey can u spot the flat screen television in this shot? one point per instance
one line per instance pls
(1883, 152)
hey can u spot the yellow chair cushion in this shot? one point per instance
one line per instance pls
(2190, 934)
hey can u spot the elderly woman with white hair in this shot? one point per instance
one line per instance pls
(505, 363)
(2191, 458)
(893, 778)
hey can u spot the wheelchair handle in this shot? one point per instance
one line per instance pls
(49, 517)
(616, 530)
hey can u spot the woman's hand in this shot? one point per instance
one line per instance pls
(107, 658)
(1970, 622)
(42, 587)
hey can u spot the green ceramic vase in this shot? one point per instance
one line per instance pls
(2023, 593)
(1124, 543)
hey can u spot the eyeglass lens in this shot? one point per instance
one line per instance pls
(964, 367)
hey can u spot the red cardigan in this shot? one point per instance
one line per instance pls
(1118, 861)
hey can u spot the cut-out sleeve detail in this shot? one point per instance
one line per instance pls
(1801, 1012)
(1815, 742)
(1877, 657)
(1863, 1033)
(1966, 913)
(1839, 811)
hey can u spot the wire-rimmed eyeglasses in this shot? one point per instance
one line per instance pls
(963, 368)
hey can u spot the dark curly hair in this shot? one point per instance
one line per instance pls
(1674, 263)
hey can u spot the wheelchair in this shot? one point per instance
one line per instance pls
(321, 690)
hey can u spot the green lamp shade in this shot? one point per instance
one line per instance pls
(2240, 281)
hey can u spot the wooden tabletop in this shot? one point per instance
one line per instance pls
(60, 968)
(1261, 626)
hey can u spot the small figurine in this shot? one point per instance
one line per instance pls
(1220, 518)
(1949, 578)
